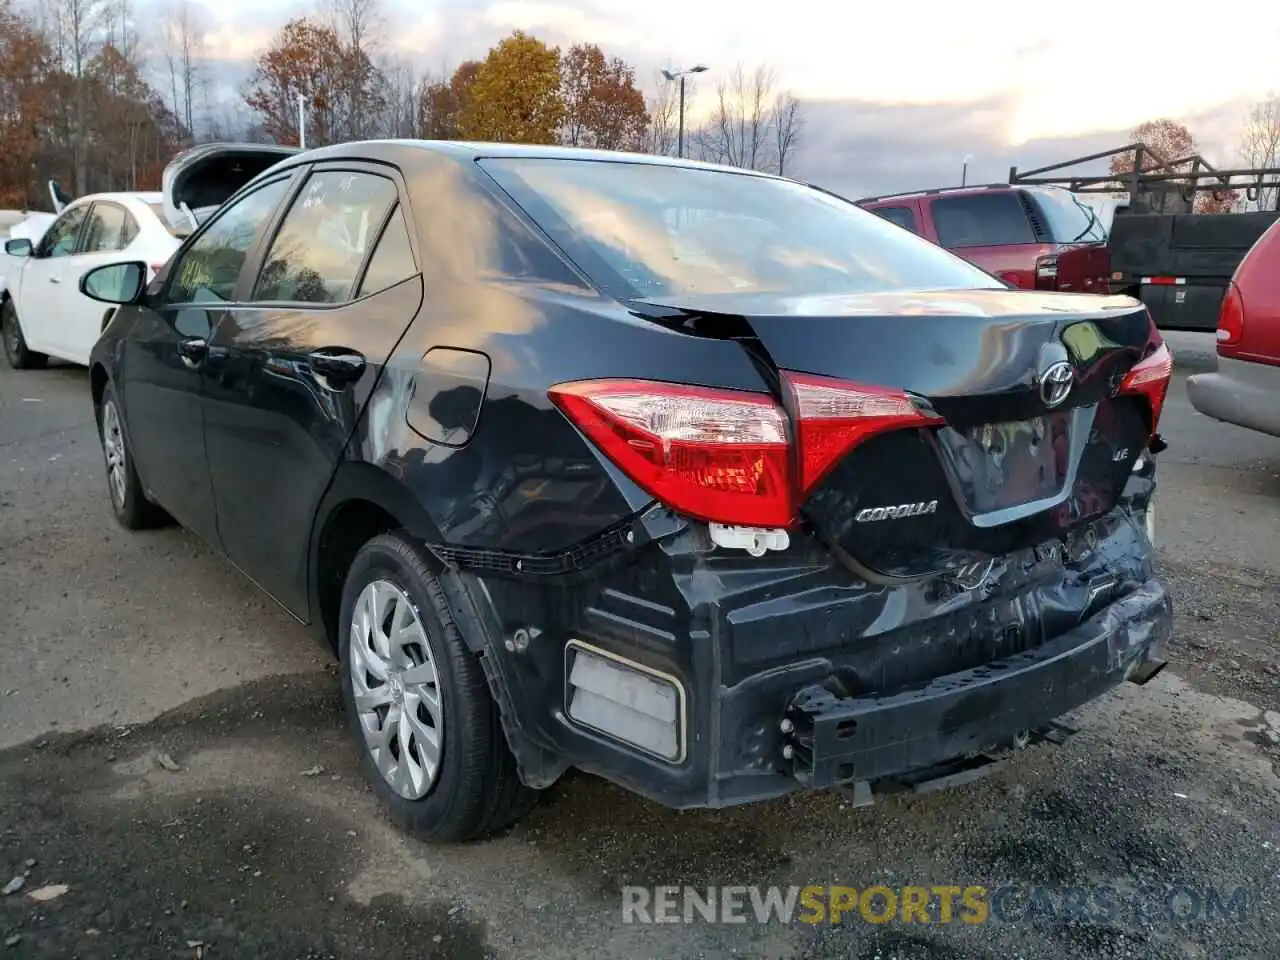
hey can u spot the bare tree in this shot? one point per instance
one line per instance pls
(77, 32)
(786, 122)
(1260, 145)
(182, 31)
(663, 105)
(738, 133)
(358, 24)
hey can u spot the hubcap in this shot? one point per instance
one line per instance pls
(113, 449)
(397, 691)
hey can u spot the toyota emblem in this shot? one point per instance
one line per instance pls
(1055, 383)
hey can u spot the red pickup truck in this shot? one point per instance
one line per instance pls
(1035, 238)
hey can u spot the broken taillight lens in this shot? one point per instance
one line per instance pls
(1150, 378)
(726, 456)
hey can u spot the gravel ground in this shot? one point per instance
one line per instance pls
(175, 758)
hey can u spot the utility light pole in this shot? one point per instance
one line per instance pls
(964, 170)
(302, 122)
(680, 75)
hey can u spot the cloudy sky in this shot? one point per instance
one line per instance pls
(895, 94)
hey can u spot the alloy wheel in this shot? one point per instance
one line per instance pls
(396, 689)
(114, 450)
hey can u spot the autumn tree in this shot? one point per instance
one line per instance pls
(1165, 142)
(1260, 146)
(515, 96)
(440, 102)
(603, 108)
(25, 66)
(335, 82)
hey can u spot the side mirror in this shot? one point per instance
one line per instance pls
(118, 283)
(20, 247)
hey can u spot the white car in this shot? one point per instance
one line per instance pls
(42, 311)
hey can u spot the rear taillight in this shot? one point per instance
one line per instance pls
(835, 417)
(718, 455)
(1149, 378)
(1047, 273)
(1231, 317)
(726, 456)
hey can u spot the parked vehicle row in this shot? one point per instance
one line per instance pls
(699, 479)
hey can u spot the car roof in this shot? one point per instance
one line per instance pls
(406, 150)
(142, 196)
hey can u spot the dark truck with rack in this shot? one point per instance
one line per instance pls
(1174, 260)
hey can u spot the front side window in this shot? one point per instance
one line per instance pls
(317, 254)
(650, 229)
(981, 220)
(60, 239)
(105, 229)
(207, 271)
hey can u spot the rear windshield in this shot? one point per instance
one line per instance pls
(158, 210)
(644, 230)
(1068, 220)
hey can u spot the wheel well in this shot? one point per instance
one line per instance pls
(97, 384)
(350, 527)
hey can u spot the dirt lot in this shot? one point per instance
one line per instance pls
(175, 758)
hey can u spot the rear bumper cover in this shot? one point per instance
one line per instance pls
(794, 675)
(1240, 392)
(840, 739)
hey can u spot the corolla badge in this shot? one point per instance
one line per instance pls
(1055, 383)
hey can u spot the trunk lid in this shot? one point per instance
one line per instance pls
(1033, 438)
(198, 181)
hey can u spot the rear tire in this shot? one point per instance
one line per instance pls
(129, 504)
(459, 781)
(15, 344)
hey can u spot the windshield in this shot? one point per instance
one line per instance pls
(647, 229)
(1070, 221)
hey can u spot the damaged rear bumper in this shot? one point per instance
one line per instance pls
(758, 678)
(838, 739)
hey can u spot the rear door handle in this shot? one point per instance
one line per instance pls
(193, 351)
(55, 280)
(338, 365)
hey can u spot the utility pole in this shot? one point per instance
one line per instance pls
(680, 75)
(302, 122)
(964, 170)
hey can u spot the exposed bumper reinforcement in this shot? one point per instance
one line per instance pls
(975, 713)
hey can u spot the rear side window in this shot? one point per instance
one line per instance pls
(1067, 219)
(981, 220)
(666, 230)
(903, 216)
(317, 254)
(105, 229)
(392, 259)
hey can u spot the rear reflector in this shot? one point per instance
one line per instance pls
(623, 700)
(1164, 281)
(727, 456)
(1231, 317)
(1047, 273)
(1149, 378)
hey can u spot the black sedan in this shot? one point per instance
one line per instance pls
(703, 480)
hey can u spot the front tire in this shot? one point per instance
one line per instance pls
(428, 732)
(15, 344)
(129, 504)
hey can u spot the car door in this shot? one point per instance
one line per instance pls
(165, 349)
(296, 362)
(44, 281)
(101, 241)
